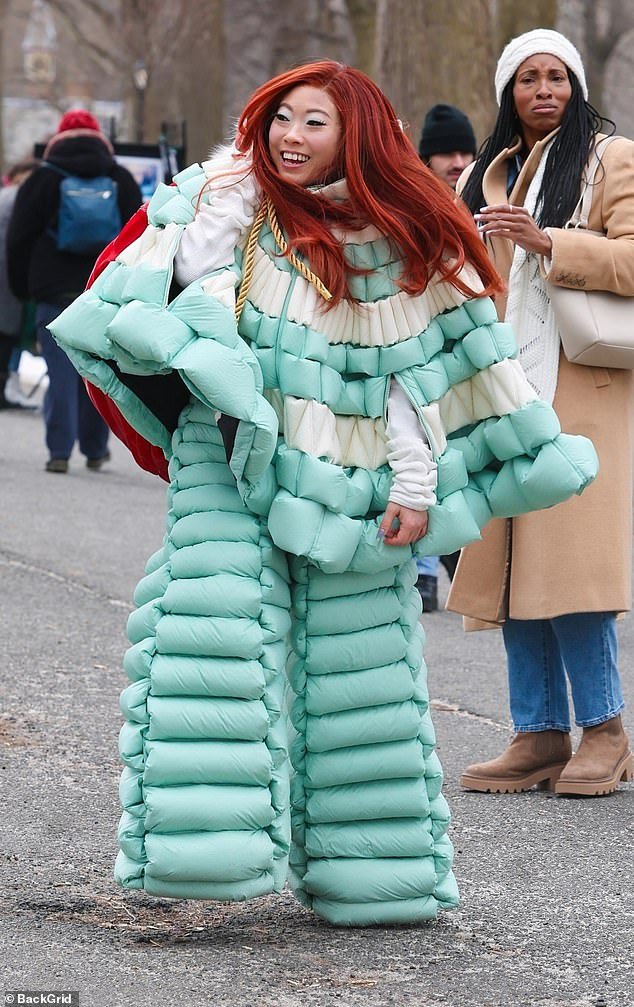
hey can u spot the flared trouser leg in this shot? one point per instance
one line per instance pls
(369, 821)
(205, 789)
(205, 785)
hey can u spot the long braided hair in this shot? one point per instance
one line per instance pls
(567, 157)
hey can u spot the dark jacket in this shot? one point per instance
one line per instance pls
(10, 307)
(37, 269)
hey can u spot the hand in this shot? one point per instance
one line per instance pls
(516, 224)
(402, 525)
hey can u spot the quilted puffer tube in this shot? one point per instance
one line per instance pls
(209, 856)
(207, 676)
(369, 838)
(365, 914)
(370, 880)
(218, 891)
(383, 761)
(224, 762)
(205, 790)
(390, 683)
(201, 807)
(407, 837)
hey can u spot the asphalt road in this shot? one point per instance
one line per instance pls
(547, 907)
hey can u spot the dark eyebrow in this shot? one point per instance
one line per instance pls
(309, 111)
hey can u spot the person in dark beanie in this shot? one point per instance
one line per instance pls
(447, 144)
(39, 271)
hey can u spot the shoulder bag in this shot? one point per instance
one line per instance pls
(596, 326)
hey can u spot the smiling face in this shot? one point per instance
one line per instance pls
(541, 93)
(305, 135)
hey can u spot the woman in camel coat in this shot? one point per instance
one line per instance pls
(554, 580)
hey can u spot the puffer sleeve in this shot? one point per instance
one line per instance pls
(150, 351)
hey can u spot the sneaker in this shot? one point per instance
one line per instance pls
(57, 465)
(96, 463)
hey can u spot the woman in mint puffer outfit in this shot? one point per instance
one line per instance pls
(301, 340)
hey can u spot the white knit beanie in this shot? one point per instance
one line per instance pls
(529, 44)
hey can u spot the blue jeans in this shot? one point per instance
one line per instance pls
(427, 566)
(69, 414)
(542, 652)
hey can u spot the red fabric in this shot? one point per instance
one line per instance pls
(132, 230)
(146, 455)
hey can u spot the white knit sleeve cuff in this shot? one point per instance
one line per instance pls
(409, 455)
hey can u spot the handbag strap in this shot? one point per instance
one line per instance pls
(581, 212)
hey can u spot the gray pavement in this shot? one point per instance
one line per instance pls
(547, 906)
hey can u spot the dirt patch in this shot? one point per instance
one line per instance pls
(159, 921)
(11, 733)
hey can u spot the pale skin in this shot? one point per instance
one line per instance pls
(304, 140)
(411, 525)
(305, 135)
(449, 166)
(541, 92)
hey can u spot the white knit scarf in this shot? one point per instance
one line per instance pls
(529, 310)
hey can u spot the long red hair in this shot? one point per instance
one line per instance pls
(388, 186)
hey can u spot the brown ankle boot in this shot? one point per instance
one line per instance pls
(533, 757)
(602, 760)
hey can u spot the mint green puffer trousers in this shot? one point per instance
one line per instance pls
(205, 790)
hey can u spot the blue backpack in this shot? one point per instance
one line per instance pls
(88, 217)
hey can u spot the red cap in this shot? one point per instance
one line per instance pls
(78, 118)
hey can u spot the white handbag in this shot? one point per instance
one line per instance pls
(596, 326)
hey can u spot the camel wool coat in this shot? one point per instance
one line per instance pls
(574, 557)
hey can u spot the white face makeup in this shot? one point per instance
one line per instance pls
(304, 136)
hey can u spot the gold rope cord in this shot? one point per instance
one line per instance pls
(249, 258)
(282, 244)
(267, 210)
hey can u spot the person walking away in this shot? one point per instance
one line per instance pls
(554, 580)
(447, 145)
(11, 308)
(53, 276)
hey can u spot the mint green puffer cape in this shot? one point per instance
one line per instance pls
(271, 571)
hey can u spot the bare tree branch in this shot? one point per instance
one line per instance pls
(108, 60)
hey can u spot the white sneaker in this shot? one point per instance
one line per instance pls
(14, 394)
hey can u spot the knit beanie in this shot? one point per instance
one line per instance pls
(446, 129)
(78, 118)
(529, 44)
(77, 122)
